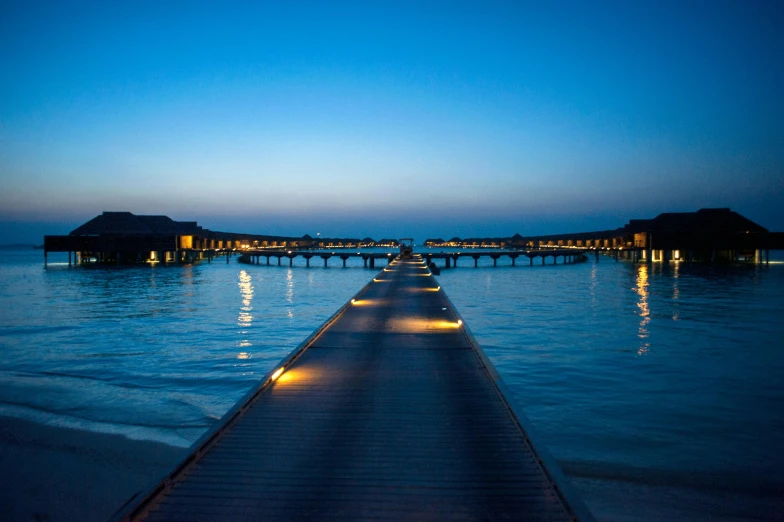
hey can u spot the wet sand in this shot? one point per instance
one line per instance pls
(51, 473)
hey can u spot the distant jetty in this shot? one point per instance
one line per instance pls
(716, 234)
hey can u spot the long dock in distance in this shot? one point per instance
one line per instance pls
(568, 255)
(390, 411)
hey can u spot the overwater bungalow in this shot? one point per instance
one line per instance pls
(126, 238)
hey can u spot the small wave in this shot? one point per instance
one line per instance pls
(107, 355)
(113, 382)
(39, 408)
(714, 481)
(38, 330)
(202, 422)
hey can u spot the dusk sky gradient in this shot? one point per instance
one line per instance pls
(389, 118)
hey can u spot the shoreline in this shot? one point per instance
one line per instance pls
(54, 473)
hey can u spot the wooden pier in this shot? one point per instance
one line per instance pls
(389, 411)
(449, 259)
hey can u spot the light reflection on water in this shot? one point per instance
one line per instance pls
(658, 388)
(640, 375)
(644, 311)
(151, 352)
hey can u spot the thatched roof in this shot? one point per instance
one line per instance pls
(127, 224)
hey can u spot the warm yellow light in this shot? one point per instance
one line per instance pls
(277, 374)
(459, 322)
(368, 302)
(353, 301)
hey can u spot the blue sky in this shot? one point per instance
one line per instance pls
(389, 118)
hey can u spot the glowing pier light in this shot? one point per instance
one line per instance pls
(459, 322)
(353, 301)
(277, 374)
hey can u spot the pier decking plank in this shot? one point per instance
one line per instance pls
(390, 413)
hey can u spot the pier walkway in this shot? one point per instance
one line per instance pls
(389, 411)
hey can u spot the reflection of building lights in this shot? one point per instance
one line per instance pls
(642, 304)
(246, 292)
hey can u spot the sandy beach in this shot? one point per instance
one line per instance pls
(51, 473)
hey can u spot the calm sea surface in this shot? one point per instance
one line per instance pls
(659, 390)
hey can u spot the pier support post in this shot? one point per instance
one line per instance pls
(767, 256)
(372, 262)
(597, 256)
(291, 260)
(46, 259)
(448, 264)
(69, 258)
(616, 256)
(543, 260)
(476, 261)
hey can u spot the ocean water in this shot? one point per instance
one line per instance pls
(660, 390)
